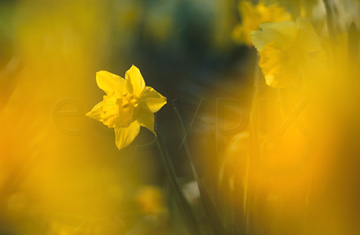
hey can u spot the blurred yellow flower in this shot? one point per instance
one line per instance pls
(298, 8)
(151, 200)
(252, 16)
(285, 49)
(127, 105)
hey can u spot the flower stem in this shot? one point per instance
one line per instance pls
(186, 209)
(212, 213)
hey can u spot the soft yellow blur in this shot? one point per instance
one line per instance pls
(297, 161)
(60, 173)
(254, 15)
(286, 50)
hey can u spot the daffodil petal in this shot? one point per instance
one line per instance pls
(147, 119)
(277, 72)
(124, 136)
(109, 111)
(240, 36)
(95, 112)
(134, 81)
(273, 32)
(152, 100)
(110, 82)
(308, 37)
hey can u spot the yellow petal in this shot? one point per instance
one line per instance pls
(124, 136)
(109, 111)
(152, 100)
(276, 67)
(147, 119)
(248, 11)
(240, 35)
(281, 33)
(307, 38)
(134, 81)
(95, 112)
(109, 82)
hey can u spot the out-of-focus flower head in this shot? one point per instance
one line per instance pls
(151, 200)
(298, 7)
(254, 15)
(127, 105)
(285, 49)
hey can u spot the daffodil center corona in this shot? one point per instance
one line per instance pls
(128, 110)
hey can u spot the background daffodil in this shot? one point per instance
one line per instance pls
(127, 105)
(286, 49)
(254, 15)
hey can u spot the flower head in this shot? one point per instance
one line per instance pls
(151, 200)
(285, 49)
(127, 105)
(298, 8)
(252, 16)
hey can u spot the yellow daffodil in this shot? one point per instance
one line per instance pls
(286, 49)
(127, 105)
(298, 8)
(151, 200)
(254, 15)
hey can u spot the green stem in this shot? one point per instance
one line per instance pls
(212, 213)
(186, 209)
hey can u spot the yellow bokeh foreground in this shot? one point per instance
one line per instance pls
(60, 173)
(297, 160)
